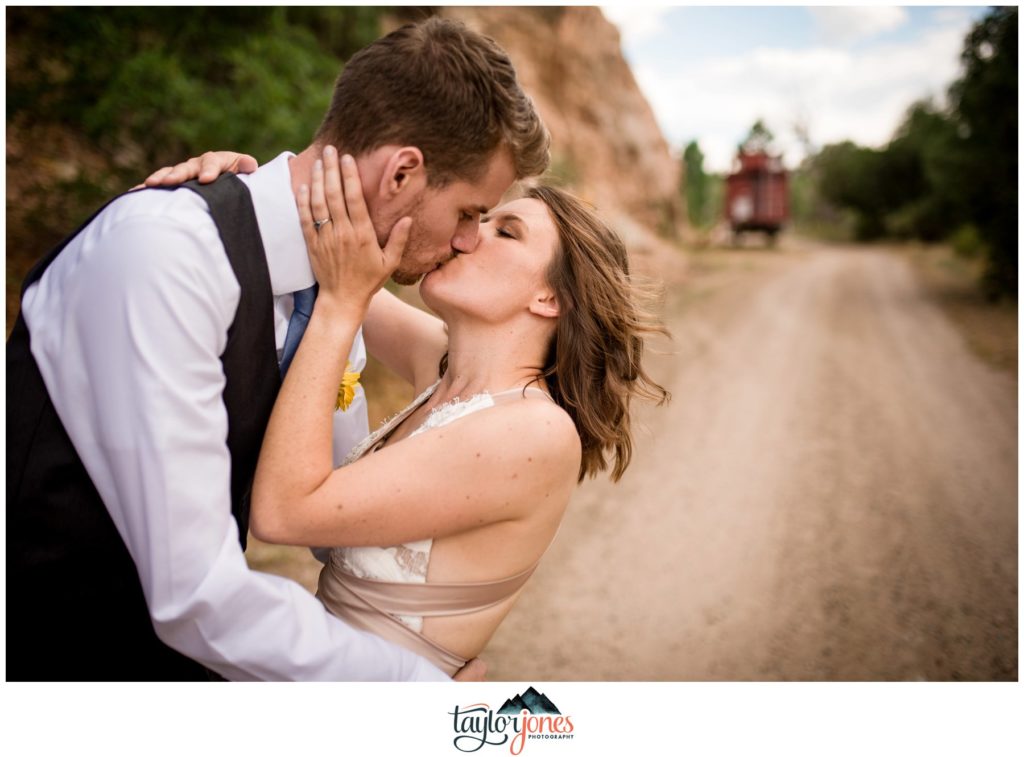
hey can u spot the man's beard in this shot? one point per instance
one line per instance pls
(401, 275)
(404, 278)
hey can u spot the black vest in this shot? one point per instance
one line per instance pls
(75, 607)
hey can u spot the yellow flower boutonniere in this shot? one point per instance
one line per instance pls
(347, 388)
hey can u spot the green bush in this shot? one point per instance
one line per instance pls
(151, 85)
(97, 98)
(967, 242)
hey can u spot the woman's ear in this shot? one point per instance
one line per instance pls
(545, 305)
(404, 173)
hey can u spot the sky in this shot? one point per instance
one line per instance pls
(840, 72)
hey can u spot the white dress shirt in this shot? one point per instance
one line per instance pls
(127, 326)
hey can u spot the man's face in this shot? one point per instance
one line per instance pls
(446, 220)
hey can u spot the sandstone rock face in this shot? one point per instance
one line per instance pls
(606, 144)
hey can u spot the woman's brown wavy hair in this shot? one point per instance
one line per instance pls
(594, 365)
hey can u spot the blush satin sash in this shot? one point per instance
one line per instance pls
(371, 605)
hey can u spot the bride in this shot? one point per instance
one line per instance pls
(523, 388)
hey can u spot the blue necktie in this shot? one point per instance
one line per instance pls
(304, 300)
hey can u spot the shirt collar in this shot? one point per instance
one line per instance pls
(278, 219)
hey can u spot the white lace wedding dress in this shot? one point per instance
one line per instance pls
(407, 563)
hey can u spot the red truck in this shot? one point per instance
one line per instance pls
(756, 194)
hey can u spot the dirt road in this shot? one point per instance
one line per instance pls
(831, 495)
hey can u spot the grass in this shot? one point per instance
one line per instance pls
(989, 328)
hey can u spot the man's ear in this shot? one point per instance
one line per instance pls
(404, 173)
(545, 305)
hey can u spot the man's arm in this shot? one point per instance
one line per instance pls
(127, 331)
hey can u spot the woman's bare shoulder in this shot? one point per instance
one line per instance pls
(533, 430)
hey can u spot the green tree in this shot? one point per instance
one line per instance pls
(921, 163)
(696, 186)
(758, 139)
(850, 176)
(984, 103)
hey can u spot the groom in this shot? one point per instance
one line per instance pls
(147, 356)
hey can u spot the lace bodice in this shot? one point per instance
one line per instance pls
(408, 562)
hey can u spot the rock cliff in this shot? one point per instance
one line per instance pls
(606, 144)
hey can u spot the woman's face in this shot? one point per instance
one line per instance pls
(504, 274)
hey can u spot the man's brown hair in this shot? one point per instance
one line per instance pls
(443, 88)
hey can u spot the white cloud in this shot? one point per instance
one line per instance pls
(950, 16)
(851, 24)
(635, 22)
(839, 93)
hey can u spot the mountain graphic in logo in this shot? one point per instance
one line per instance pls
(531, 700)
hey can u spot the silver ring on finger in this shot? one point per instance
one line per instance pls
(318, 224)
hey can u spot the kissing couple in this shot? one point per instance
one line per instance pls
(184, 366)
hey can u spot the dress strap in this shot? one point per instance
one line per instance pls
(519, 392)
(378, 437)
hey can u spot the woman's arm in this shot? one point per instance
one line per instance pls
(350, 267)
(499, 464)
(407, 340)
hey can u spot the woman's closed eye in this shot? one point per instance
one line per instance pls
(506, 226)
(501, 231)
